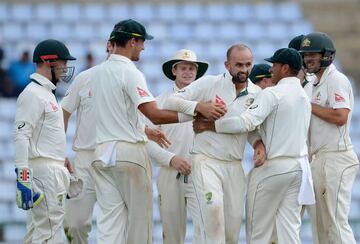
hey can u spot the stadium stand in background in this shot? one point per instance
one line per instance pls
(205, 27)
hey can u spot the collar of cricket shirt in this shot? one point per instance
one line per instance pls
(326, 73)
(43, 81)
(289, 80)
(118, 57)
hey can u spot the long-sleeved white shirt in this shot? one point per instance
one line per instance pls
(39, 124)
(220, 89)
(283, 111)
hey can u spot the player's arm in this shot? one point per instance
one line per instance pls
(337, 116)
(26, 119)
(192, 100)
(67, 116)
(158, 116)
(163, 157)
(248, 121)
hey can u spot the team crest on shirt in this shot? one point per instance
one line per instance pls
(249, 101)
(142, 92)
(219, 100)
(54, 107)
(208, 197)
(339, 98)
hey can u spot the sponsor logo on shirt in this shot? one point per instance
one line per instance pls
(54, 107)
(218, 100)
(21, 125)
(142, 92)
(339, 98)
(254, 106)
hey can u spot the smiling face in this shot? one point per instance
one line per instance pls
(312, 62)
(239, 64)
(185, 73)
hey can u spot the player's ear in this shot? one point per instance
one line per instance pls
(173, 70)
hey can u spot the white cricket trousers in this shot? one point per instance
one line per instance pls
(333, 175)
(272, 199)
(45, 221)
(220, 192)
(79, 210)
(175, 197)
(124, 195)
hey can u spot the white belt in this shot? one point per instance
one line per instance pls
(306, 193)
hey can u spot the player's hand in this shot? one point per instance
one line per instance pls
(259, 154)
(157, 136)
(25, 197)
(201, 124)
(181, 165)
(211, 110)
(68, 165)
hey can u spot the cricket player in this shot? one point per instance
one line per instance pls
(261, 76)
(40, 145)
(176, 192)
(277, 189)
(79, 210)
(122, 167)
(335, 163)
(217, 171)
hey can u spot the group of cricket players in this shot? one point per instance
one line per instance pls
(295, 114)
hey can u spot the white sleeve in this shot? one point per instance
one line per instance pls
(161, 156)
(340, 93)
(186, 99)
(138, 90)
(255, 115)
(71, 100)
(28, 112)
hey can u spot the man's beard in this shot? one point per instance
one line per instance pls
(237, 78)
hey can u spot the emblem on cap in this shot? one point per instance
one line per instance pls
(306, 42)
(186, 55)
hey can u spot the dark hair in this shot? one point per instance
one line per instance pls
(121, 42)
(293, 72)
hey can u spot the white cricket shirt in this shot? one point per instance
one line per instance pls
(220, 89)
(333, 91)
(118, 89)
(283, 111)
(39, 123)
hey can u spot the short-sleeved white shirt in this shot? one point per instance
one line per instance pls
(220, 89)
(79, 98)
(39, 120)
(118, 89)
(333, 91)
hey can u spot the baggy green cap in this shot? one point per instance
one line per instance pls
(129, 28)
(260, 71)
(287, 56)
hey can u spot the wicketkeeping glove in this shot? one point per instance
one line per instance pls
(25, 197)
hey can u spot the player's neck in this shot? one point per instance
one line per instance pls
(240, 86)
